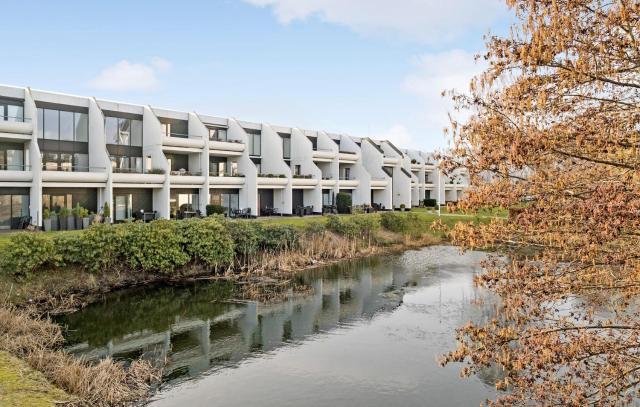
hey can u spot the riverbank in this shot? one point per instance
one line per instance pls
(61, 285)
(61, 273)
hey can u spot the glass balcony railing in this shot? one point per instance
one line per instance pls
(18, 119)
(138, 171)
(186, 173)
(180, 135)
(71, 168)
(14, 167)
(224, 174)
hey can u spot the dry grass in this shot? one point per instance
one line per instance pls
(107, 383)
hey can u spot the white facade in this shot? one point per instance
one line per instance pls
(60, 150)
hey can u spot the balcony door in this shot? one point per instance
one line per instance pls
(123, 205)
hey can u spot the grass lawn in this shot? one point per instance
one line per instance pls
(22, 386)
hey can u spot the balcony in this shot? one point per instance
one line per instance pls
(275, 181)
(15, 128)
(304, 181)
(15, 173)
(222, 180)
(379, 182)
(74, 174)
(328, 182)
(322, 155)
(348, 183)
(185, 177)
(390, 160)
(182, 141)
(348, 157)
(138, 176)
(415, 166)
(226, 148)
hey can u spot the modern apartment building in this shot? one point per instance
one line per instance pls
(59, 150)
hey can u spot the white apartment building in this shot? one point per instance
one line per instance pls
(59, 150)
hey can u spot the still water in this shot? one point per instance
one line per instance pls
(369, 333)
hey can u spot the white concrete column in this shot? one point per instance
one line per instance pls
(152, 141)
(35, 161)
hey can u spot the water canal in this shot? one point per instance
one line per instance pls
(368, 334)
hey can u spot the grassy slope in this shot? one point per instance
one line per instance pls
(22, 386)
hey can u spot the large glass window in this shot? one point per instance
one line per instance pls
(11, 111)
(11, 157)
(124, 132)
(218, 134)
(67, 126)
(255, 147)
(51, 124)
(81, 121)
(227, 198)
(286, 147)
(62, 125)
(13, 207)
(136, 133)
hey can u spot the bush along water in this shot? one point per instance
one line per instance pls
(214, 243)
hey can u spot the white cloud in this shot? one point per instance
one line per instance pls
(433, 74)
(428, 21)
(128, 76)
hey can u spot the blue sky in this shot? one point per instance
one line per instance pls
(362, 67)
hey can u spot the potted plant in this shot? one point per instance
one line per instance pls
(402, 207)
(64, 217)
(106, 213)
(46, 219)
(77, 219)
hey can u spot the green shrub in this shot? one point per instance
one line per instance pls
(214, 210)
(314, 228)
(207, 240)
(430, 203)
(102, 246)
(70, 248)
(26, 252)
(343, 202)
(154, 247)
(355, 227)
(276, 237)
(246, 236)
(408, 223)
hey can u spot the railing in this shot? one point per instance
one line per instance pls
(186, 173)
(19, 119)
(180, 135)
(72, 168)
(223, 174)
(138, 171)
(14, 167)
(272, 176)
(306, 176)
(227, 140)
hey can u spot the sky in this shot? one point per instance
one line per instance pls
(360, 67)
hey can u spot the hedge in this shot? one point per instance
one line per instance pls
(160, 246)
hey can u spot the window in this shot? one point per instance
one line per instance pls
(11, 111)
(81, 121)
(218, 134)
(255, 147)
(62, 125)
(51, 124)
(124, 132)
(286, 147)
(347, 173)
(11, 157)
(136, 133)
(66, 126)
(296, 170)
